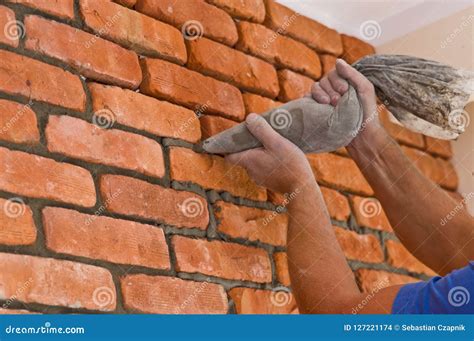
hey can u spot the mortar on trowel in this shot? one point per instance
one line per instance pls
(425, 96)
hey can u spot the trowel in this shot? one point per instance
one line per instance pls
(425, 96)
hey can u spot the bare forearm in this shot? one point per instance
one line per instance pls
(414, 205)
(321, 279)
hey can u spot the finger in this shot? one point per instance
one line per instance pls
(263, 131)
(243, 159)
(354, 77)
(338, 83)
(319, 94)
(333, 94)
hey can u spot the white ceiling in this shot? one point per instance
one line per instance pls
(377, 21)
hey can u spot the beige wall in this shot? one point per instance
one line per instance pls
(449, 40)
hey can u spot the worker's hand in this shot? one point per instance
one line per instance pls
(279, 165)
(336, 83)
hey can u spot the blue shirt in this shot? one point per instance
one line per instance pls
(452, 294)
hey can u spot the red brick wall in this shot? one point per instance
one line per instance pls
(106, 206)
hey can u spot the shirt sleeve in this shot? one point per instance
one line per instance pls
(452, 294)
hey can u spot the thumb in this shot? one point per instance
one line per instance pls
(263, 131)
(363, 86)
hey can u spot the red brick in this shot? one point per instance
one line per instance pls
(145, 113)
(18, 123)
(86, 141)
(328, 63)
(126, 3)
(438, 170)
(35, 80)
(252, 223)
(439, 147)
(189, 88)
(279, 50)
(328, 170)
(319, 37)
(167, 295)
(192, 16)
(398, 132)
(243, 71)
(281, 265)
(92, 56)
(212, 172)
(39, 177)
(134, 30)
(56, 282)
(369, 213)
(255, 301)
(212, 125)
(16, 223)
(370, 280)
(59, 8)
(10, 33)
(361, 247)
(293, 85)
(337, 204)
(258, 104)
(113, 240)
(250, 10)
(400, 257)
(142, 199)
(221, 259)
(355, 49)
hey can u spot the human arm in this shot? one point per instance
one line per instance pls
(321, 279)
(414, 205)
